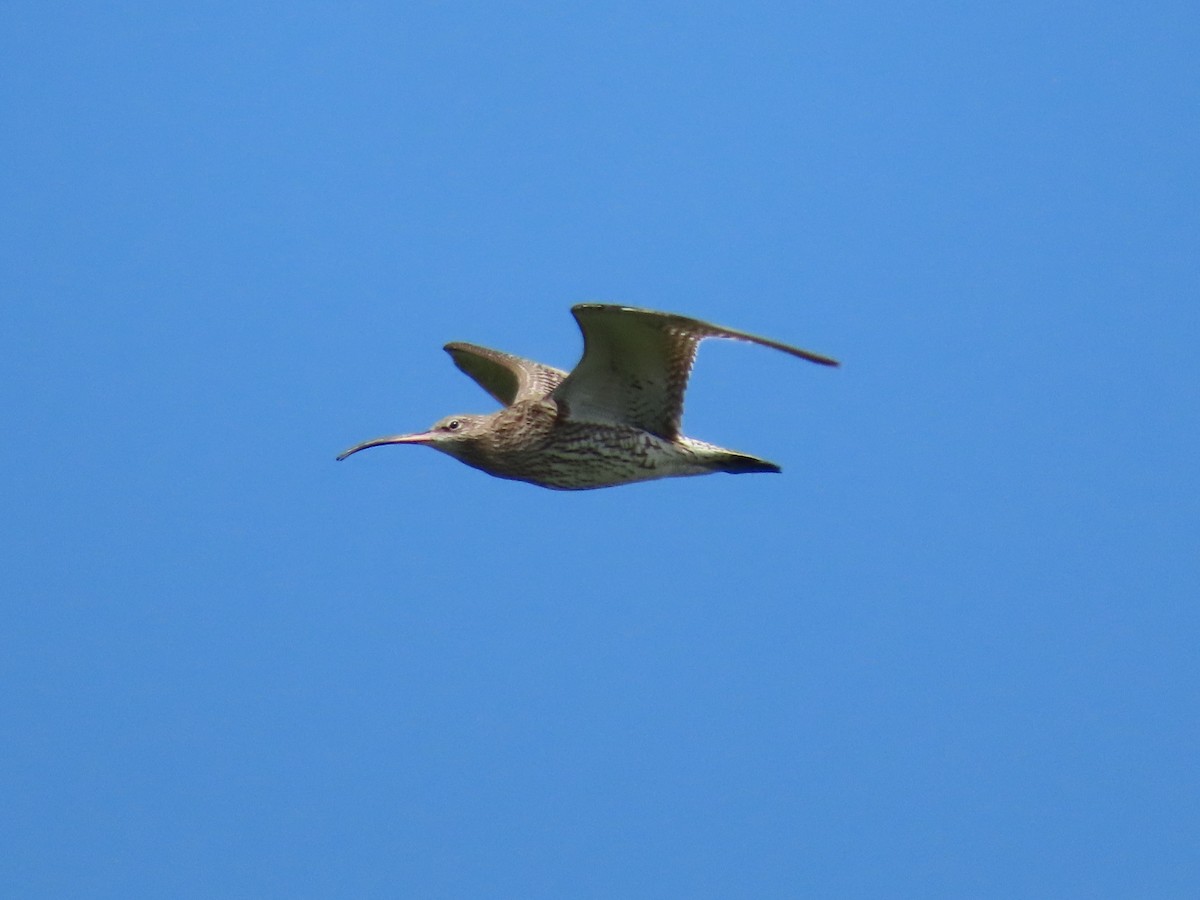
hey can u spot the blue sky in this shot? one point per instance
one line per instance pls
(950, 651)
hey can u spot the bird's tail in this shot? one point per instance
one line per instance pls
(741, 463)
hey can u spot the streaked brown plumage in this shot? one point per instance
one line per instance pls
(613, 420)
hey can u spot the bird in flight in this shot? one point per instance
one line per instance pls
(613, 420)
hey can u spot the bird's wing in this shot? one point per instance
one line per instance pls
(636, 364)
(506, 377)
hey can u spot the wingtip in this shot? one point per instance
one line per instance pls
(612, 307)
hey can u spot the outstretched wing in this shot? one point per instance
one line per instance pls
(506, 377)
(636, 364)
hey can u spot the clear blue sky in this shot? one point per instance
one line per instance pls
(951, 651)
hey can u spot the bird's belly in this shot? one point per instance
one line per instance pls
(580, 456)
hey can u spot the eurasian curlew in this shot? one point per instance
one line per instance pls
(613, 420)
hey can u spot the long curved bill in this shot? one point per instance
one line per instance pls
(423, 437)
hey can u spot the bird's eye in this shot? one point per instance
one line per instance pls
(453, 425)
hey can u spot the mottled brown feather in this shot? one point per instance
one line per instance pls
(636, 364)
(506, 377)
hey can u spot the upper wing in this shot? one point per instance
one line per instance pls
(506, 377)
(636, 364)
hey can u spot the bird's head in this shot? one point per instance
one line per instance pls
(455, 435)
